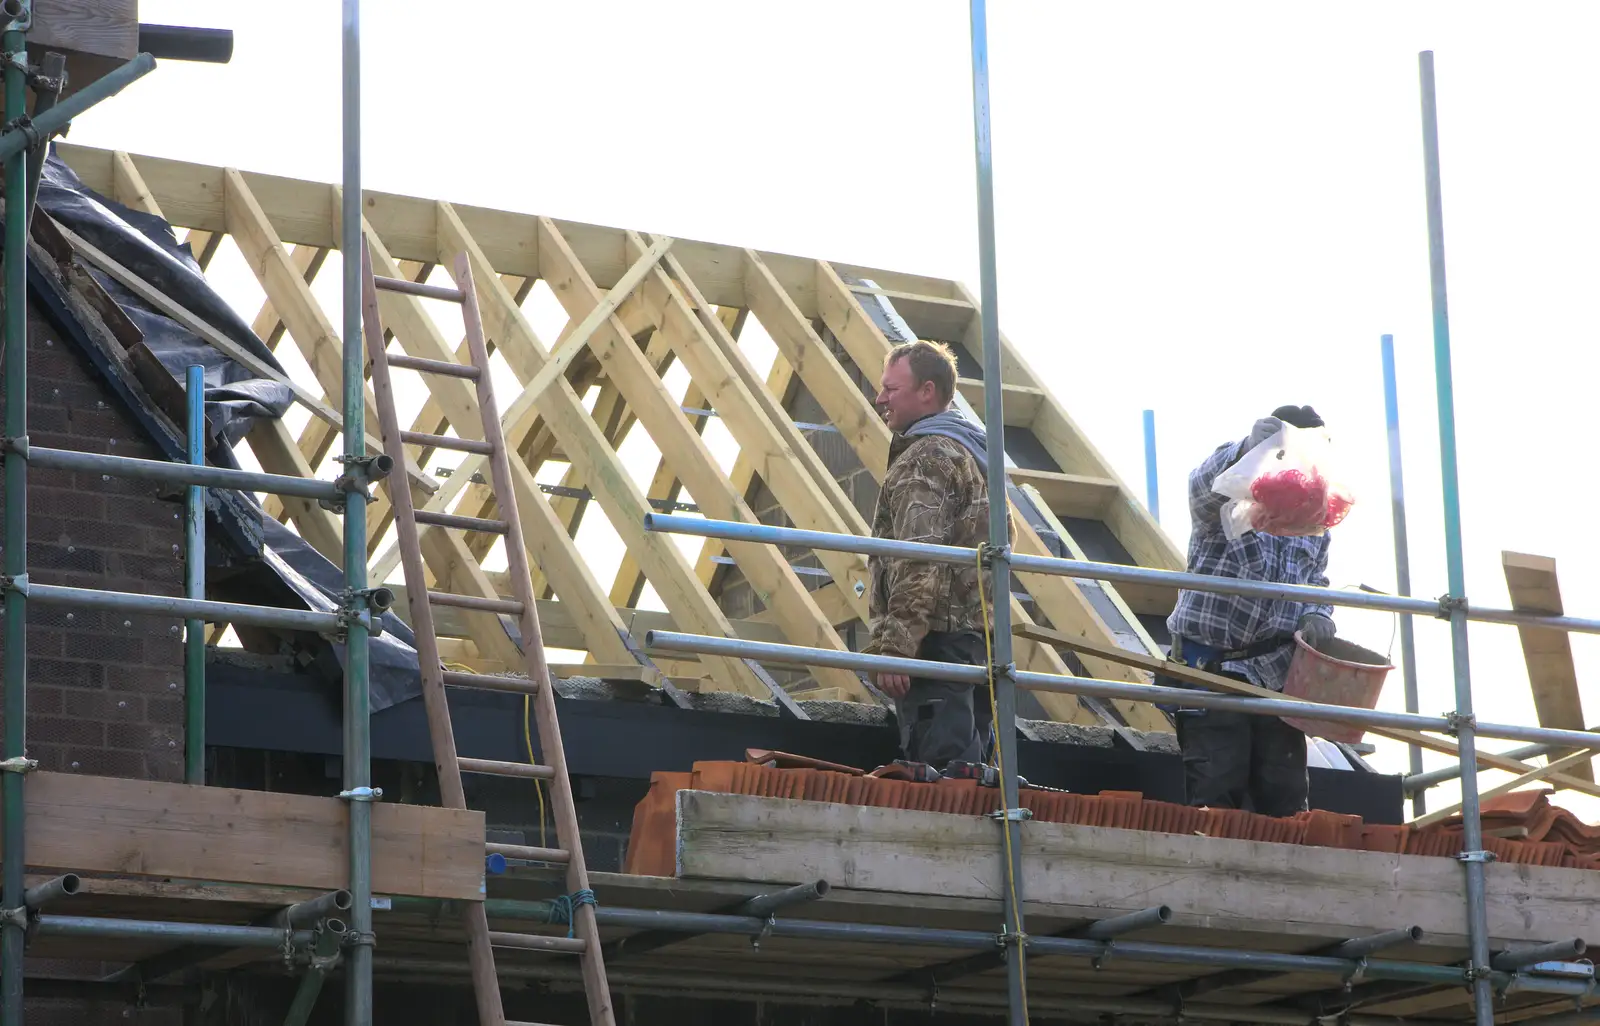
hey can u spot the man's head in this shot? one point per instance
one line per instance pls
(1298, 416)
(919, 378)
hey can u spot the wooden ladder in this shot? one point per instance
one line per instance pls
(585, 939)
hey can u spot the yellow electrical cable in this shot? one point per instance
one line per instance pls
(1005, 827)
(527, 740)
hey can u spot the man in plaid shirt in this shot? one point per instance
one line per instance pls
(1233, 760)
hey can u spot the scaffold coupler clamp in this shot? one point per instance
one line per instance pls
(361, 794)
(1454, 721)
(766, 930)
(18, 764)
(1451, 604)
(22, 22)
(987, 553)
(13, 444)
(1477, 856)
(360, 939)
(1107, 950)
(360, 473)
(1472, 973)
(1012, 815)
(1357, 974)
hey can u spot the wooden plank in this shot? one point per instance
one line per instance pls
(764, 565)
(1534, 588)
(128, 188)
(1100, 872)
(586, 446)
(1217, 682)
(1021, 402)
(1069, 495)
(106, 28)
(144, 828)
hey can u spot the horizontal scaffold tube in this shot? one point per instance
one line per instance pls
(183, 473)
(1114, 572)
(219, 934)
(672, 641)
(185, 609)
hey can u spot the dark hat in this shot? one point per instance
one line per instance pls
(1299, 416)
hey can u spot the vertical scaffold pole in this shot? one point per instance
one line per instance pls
(194, 586)
(14, 43)
(999, 532)
(1152, 481)
(1473, 855)
(358, 700)
(1402, 557)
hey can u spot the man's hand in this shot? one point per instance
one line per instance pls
(1264, 429)
(1317, 629)
(895, 685)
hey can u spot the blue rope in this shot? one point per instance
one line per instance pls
(563, 907)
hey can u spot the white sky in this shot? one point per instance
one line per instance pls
(1204, 209)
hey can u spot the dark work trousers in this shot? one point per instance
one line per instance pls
(1235, 761)
(941, 721)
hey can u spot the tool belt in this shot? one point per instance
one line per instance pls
(1211, 661)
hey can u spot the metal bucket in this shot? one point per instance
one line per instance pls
(1342, 673)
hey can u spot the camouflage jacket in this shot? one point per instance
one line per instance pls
(936, 492)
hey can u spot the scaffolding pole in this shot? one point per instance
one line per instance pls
(16, 17)
(1402, 558)
(358, 790)
(997, 556)
(1473, 856)
(194, 587)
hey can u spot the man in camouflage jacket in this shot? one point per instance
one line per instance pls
(935, 491)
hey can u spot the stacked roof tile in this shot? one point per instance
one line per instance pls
(1544, 834)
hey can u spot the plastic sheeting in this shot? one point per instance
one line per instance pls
(145, 245)
(286, 569)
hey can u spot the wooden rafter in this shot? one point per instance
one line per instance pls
(680, 309)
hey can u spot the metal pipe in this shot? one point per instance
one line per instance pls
(15, 270)
(324, 956)
(194, 587)
(1106, 929)
(305, 913)
(797, 655)
(1114, 572)
(1402, 556)
(1422, 781)
(55, 119)
(358, 697)
(181, 608)
(40, 895)
(215, 934)
(1152, 481)
(186, 43)
(1088, 1009)
(1555, 951)
(1471, 825)
(763, 905)
(183, 473)
(1001, 672)
(1361, 947)
(1143, 951)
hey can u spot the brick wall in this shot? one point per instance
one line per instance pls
(105, 690)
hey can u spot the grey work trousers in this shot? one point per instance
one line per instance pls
(941, 721)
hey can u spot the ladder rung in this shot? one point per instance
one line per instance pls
(445, 367)
(528, 852)
(490, 767)
(489, 682)
(464, 523)
(416, 288)
(487, 605)
(537, 942)
(446, 442)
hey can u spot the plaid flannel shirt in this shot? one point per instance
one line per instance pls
(1235, 621)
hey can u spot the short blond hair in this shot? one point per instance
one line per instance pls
(929, 361)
